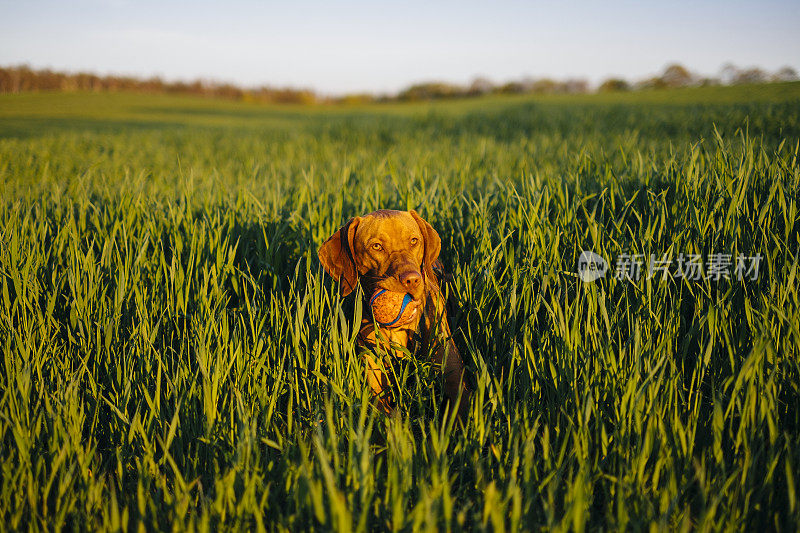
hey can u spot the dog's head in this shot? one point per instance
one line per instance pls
(393, 250)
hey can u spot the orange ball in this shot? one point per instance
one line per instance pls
(392, 309)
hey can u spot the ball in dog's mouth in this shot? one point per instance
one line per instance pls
(392, 309)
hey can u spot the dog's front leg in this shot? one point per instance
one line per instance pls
(378, 382)
(374, 344)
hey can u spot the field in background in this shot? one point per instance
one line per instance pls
(173, 355)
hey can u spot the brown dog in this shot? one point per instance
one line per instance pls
(396, 250)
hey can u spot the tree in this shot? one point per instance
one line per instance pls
(676, 75)
(430, 91)
(785, 74)
(651, 83)
(544, 86)
(708, 82)
(480, 86)
(750, 75)
(575, 86)
(614, 85)
(512, 87)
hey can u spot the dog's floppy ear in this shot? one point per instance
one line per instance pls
(431, 240)
(336, 256)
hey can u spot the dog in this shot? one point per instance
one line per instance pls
(397, 251)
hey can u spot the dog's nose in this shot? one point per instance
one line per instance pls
(410, 279)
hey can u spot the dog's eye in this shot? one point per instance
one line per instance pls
(414, 241)
(377, 246)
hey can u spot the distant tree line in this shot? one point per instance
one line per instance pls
(673, 76)
(676, 75)
(482, 86)
(24, 79)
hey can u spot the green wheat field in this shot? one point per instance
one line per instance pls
(174, 358)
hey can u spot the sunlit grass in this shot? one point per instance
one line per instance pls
(174, 357)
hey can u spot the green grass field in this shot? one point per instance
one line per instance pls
(174, 357)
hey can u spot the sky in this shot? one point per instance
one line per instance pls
(360, 46)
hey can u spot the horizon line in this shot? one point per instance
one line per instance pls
(211, 81)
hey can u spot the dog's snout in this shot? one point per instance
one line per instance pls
(410, 279)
